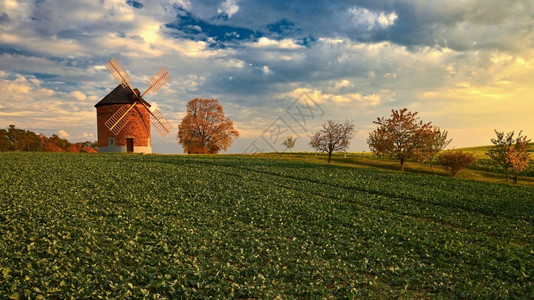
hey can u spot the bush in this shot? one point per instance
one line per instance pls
(454, 161)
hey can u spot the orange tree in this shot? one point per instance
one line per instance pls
(401, 137)
(436, 141)
(455, 161)
(519, 157)
(205, 128)
(500, 153)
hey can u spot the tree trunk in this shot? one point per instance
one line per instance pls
(329, 156)
(515, 179)
(402, 165)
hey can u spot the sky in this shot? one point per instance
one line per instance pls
(277, 67)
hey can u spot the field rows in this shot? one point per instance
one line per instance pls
(421, 198)
(175, 226)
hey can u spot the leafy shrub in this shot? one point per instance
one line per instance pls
(455, 161)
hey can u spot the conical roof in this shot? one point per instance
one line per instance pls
(119, 95)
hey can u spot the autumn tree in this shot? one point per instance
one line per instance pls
(401, 137)
(499, 153)
(289, 143)
(519, 156)
(74, 148)
(435, 142)
(454, 161)
(205, 128)
(15, 139)
(332, 137)
(4, 140)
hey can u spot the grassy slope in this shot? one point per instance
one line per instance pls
(367, 160)
(481, 150)
(198, 226)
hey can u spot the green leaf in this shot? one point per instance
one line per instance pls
(5, 272)
(14, 296)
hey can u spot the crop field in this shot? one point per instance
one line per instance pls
(155, 226)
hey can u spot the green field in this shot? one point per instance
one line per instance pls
(483, 170)
(81, 225)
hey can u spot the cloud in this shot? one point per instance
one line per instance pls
(370, 20)
(228, 7)
(88, 136)
(78, 95)
(184, 4)
(343, 83)
(327, 98)
(63, 134)
(265, 42)
(451, 62)
(31, 105)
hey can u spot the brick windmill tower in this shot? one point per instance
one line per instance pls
(124, 117)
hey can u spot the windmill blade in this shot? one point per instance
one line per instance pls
(158, 80)
(116, 69)
(161, 124)
(119, 119)
(158, 120)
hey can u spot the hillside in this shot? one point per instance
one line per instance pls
(79, 225)
(483, 170)
(480, 151)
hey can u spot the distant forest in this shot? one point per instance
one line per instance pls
(14, 139)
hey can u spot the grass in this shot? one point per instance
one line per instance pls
(133, 226)
(483, 171)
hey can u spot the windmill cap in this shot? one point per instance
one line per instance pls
(119, 95)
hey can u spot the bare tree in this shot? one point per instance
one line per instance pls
(333, 136)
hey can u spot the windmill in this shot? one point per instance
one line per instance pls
(124, 117)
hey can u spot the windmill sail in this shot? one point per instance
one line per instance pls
(116, 69)
(158, 80)
(160, 123)
(119, 119)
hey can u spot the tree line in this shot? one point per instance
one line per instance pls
(404, 136)
(15, 139)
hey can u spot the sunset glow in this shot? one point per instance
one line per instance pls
(467, 67)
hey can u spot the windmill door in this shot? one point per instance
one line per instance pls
(129, 145)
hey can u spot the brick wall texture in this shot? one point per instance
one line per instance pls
(138, 127)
